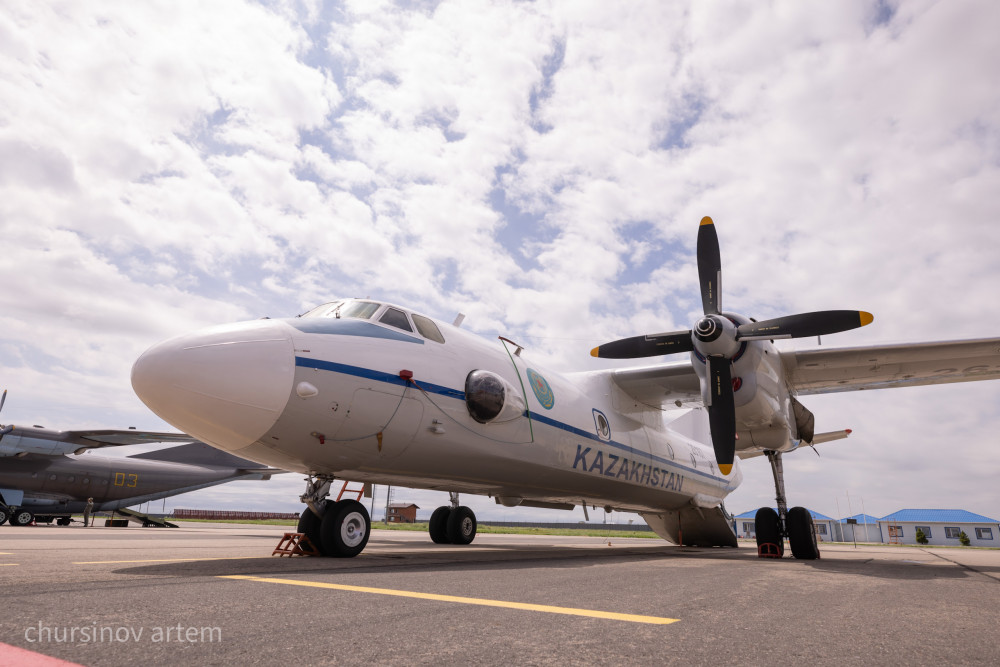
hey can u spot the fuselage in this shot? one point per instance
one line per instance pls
(61, 484)
(373, 392)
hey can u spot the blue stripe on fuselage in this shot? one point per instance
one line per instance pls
(389, 378)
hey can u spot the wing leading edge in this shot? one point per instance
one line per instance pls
(824, 371)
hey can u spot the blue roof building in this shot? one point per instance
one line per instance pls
(865, 530)
(940, 527)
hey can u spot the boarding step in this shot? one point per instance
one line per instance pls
(145, 519)
(295, 544)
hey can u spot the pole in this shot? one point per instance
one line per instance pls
(864, 515)
(841, 520)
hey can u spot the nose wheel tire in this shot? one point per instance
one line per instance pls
(438, 526)
(345, 529)
(802, 534)
(21, 518)
(461, 525)
(309, 525)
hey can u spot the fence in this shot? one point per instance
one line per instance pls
(231, 516)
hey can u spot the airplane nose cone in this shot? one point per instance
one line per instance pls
(226, 386)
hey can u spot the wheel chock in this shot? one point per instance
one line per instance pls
(768, 550)
(295, 544)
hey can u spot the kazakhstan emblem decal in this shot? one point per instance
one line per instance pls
(543, 392)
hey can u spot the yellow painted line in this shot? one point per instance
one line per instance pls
(633, 618)
(9, 564)
(164, 560)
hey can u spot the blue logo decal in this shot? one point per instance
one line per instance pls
(543, 392)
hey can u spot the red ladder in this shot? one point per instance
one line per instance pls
(344, 490)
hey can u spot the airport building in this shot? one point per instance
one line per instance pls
(401, 513)
(940, 527)
(859, 528)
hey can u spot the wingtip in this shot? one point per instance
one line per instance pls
(706, 221)
(866, 318)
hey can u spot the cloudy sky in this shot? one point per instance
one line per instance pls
(540, 167)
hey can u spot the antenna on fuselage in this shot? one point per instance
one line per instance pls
(459, 319)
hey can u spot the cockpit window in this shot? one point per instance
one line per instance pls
(427, 328)
(362, 310)
(395, 318)
(320, 311)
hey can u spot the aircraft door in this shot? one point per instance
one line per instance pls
(396, 416)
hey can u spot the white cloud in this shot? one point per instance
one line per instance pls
(541, 167)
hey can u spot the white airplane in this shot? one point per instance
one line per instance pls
(373, 392)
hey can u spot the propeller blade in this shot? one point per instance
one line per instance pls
(722, 412)
(805, 325)
(709, 266)
(3, 399)
(645, 346)
(6, 429)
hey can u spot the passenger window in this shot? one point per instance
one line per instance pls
(428, 329)
(395, 318)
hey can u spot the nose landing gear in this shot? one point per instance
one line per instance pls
(454, 524)
(339, 529)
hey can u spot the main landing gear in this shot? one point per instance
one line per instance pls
(20, 517)
(339, 529)
(773, 527)
(454, 524)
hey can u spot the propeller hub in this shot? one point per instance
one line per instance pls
(708, 328)
(715, 336)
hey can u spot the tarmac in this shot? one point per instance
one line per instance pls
(212, 594)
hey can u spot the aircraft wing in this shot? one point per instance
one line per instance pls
(660, 386)
(38, 440)
(824, 371)
(108, 437)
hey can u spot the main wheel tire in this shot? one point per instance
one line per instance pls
(461, 526)
(345, 529)
(438, 525)
(64, 521)
(767, 525)
(4, 515)
(309, 525)
(21, 518)
(802, 534)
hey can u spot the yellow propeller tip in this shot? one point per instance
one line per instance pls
(595, 352)
(725, 468)
(866, 318)
(706, 221)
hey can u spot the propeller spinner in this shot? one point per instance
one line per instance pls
(717, 339)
